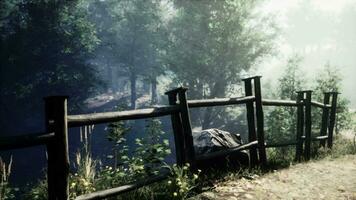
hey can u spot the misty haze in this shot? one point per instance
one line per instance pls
(178, 99)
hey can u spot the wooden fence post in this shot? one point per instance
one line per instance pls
(260, 121)
(307, 144)
(324, 120)
(332, 118)
(177, 129)
(57, 150)
(187, 127)
(300, 126)
(250, 122)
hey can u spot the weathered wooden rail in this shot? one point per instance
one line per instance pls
(97, 118)
(23, 141)
(58, 121)
(123, 189)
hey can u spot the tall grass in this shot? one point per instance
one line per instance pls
(6, 192)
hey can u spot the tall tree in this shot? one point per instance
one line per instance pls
(44, 47)
(137, 37)
(291, 80)
(281, 121)
(213, 41)
(103, 59)
(329, 79)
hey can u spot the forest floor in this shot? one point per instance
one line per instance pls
(328, 178)
(322, 179)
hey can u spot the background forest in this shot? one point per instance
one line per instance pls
(109, 55)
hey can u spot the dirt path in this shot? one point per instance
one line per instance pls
(323, 179)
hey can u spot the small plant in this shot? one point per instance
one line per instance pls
(182, 181)
(153, 149)
(281, 128)
(146, 159)
(6, 192)
(82, 181)
(280, 157)
(341, 146)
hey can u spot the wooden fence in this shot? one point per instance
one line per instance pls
(58, 121)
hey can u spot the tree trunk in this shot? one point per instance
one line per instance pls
(218, 90)
(133, 80)
(153, 91)
(111, 86)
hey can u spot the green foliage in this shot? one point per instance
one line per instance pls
(226, 39)
(153, 149)
(82, 180)
(210, 55)
(179, 185)
(116, 131)
(353, 121)
(134, 35)
(341, 146)
(77, 28)
(44, 48)
(280, 157)
(291, 80)
(59, 39)
(38, 191)
(147, 158)
(281, 125)
(281, 121)
(329, 80)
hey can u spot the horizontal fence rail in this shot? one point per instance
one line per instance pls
(227, 151)
(103, 194)
(23, 141)
(97, 118)
(219, 101)
(270, 102)
(321, 137)
(320, 105)
(318, 138)
(280, 144)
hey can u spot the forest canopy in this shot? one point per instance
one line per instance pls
(83, 48)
